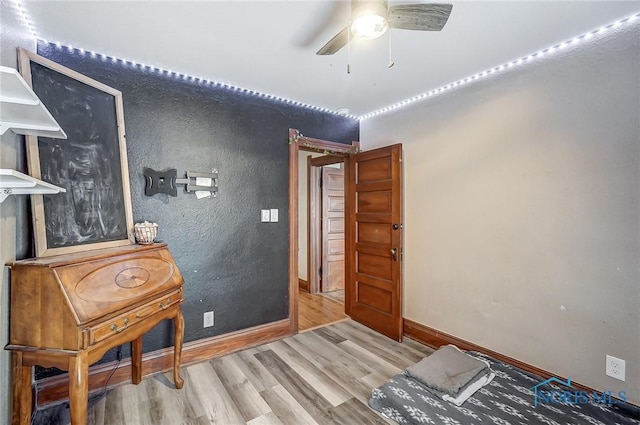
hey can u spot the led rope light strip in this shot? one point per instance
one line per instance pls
(508, 65)
(191, 78)
(26, 20)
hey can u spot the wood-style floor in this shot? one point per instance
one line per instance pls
(323, 376)
(335, 295)
(315, 310)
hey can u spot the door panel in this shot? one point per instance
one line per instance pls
(337, 204)
(374, 240)
(375, 233)
(332, 228)
(375, 170)
(375, 298)
(374, 201)
(335, 225)
(373, 265)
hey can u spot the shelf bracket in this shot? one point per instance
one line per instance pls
(13, 182)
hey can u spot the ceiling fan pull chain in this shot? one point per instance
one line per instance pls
(391, 63)
(349, 50)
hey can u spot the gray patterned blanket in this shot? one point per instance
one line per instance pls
(514, 397)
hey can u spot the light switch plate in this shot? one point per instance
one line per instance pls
(265, 216)
(208, 319)
(274, 215)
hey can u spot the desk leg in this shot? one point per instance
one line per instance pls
(136, 360)
(22, 398)
(78, 388)
(178, 329)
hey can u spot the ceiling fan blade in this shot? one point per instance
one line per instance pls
(420, 17)
(336, 43)
(331, 13)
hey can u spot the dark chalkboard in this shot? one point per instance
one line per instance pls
(90, 164)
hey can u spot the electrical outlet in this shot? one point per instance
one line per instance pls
(265, 216)
(208, 319)
(274, 215)
(615, 367)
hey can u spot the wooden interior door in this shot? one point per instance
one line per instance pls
(332, 227)
(373, 294)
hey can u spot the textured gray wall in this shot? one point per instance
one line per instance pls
(232, 263)
(522, 210)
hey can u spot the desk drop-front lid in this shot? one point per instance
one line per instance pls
(103, 282)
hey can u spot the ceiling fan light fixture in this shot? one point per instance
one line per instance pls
(369, 26)
(369, 19)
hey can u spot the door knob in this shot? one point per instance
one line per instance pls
(394, 254)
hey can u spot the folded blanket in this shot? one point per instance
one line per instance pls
(470, 389)
(448, 371)
(477, 382)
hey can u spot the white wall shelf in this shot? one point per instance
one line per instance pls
(21, 110)
(13, 182)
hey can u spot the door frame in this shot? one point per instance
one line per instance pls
(314, 197)
(298, 142)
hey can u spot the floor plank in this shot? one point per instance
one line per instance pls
(205, 389)
(302, 391)
(286, 408)
(346, 370)
(311, 373)
(330, 335)
(266, 419)
(399, 357)
(370, 360)
(315, 310)
(337, 295)
(323, 376)
(246, 398)
(330, 356)
(255, 372)
(164, 404)
(354, 412)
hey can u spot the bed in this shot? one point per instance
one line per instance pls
(507, 400)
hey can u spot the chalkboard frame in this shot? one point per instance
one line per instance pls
(43, 245)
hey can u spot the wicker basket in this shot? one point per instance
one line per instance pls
(145, 233)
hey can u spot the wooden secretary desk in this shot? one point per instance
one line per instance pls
(68, 310)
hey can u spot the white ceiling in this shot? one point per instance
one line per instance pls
(269, 46)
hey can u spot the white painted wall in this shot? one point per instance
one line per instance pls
(302, 215)
(13, 35)
(303, 212)
(522, 210)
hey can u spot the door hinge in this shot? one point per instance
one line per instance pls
(320, 271)
(320, 182)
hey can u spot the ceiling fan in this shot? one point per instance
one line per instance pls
(370, 19)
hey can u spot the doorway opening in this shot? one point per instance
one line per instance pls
(321, 250)
(373, 228)
(311, 296)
